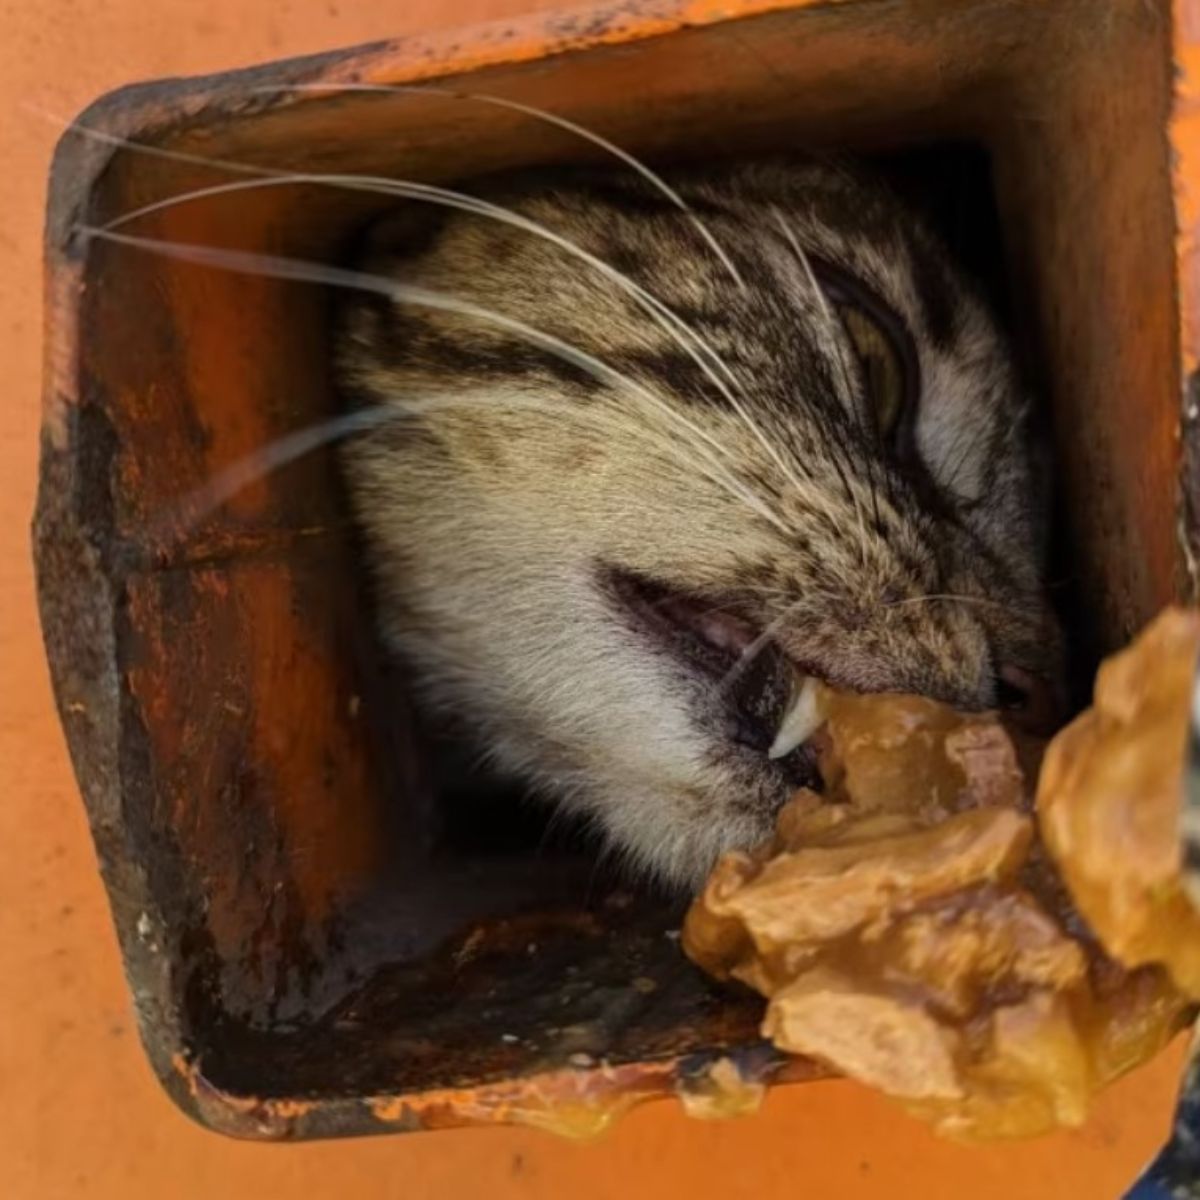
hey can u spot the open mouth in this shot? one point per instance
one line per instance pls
(762, 700)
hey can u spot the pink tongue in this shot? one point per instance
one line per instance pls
(717, 628)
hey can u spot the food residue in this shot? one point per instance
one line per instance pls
(922, 928)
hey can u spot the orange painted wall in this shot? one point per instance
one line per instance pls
(80, 1114)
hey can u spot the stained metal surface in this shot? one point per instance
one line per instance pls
(229, 733)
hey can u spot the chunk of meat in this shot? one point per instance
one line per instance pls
(910, 929)
(1109, 799)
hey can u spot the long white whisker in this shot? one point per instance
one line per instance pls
(823, 304)
(103, 137)
(950, 597)
(674, 326)
(295, 269)
(230, 480)
(613, 420)
(624, 156)
(241, 168)
(683, 334)
(371, 184)
(756, 647)
(267, 176)
(537, 114)
(818, 293)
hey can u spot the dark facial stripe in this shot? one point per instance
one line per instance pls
(410, 343)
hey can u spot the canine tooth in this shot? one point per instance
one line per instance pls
(801, 719)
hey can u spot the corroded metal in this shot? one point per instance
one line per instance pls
(303, 962)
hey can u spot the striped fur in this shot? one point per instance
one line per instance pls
(733, 463)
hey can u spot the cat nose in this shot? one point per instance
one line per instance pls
(1035, 702)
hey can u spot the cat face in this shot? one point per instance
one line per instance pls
(656, 468)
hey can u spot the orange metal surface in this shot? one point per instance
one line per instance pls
(82, 1114)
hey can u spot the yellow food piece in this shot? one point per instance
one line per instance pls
(909, 929)
(1109, 801)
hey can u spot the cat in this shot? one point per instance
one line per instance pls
(673, 452)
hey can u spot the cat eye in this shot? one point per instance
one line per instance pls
(882, 370)
(884, 348)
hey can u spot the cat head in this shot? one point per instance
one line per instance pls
(652, 468)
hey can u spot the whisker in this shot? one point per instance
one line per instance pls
(708, 611)
(538, 114)
(611, 421)
(950, 597)
(756, 647)
(225, 483)
(232, 165)
(103, 137)
(684, 334)
(267, 176)
(296, 269)
(823, 304)
(289, 447)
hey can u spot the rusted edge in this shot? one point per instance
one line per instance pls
(578, 1102)
(77, 605)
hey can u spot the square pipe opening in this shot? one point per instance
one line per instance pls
(318, 940)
